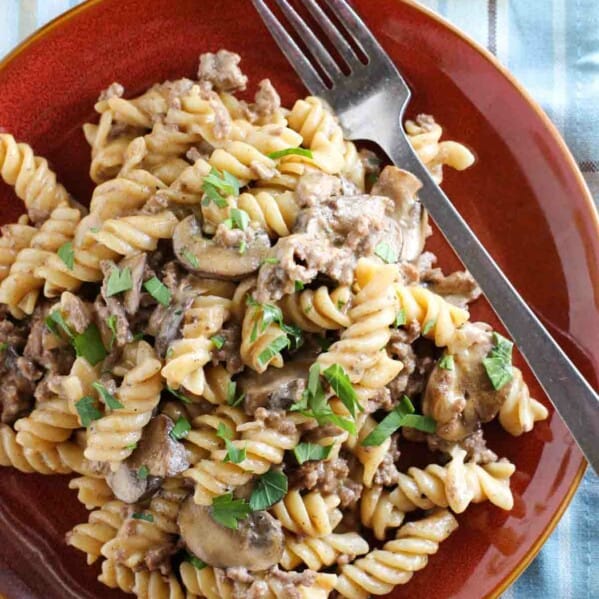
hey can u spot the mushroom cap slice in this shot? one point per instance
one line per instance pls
(201, 255)
(256, 544)
(129, 487)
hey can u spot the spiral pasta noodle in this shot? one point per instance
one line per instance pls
(34, 182)
(15, 237)
(137, 536)
(101, 527)
(396, 562)
(243, 161)
(520, 411)
(20, 289)
(438, 318)
(274, 211)
(318, 310)
(263, 447)
(111, 437)
(187, 357)
(318, 553)
(92, 492)
(381, 509)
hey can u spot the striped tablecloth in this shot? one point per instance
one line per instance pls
(552, 47)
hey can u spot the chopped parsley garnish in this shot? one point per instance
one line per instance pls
(67, 255)
(55, 321)
(306, 452)
(446, 362)
(402, 415)
(191, 258)
(111, 324)
(143, 472)
(119, 281)
(299, 285)
(313, 404)
(218, 341)
(290, 151)
(232, 398)
(87, 410)
(243, 246)
(341, 385)
(269, 261)
(428, 326)
(498, 363)
(228, 511)
(269, 489)
(234, 454)
(240, 218)
(400, 318)
(272, 314)
(89, 345)
(158, 290)
(3, 346)
(110, 400)
(178, 394)
(131, 446)
(195, 561)
(386, 253)
(275, 347)
(217, 187)
(143, 516)
(181, 429)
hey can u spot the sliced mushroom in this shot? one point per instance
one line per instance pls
(402, 187)
(257, 543)
(201, 255)
(136, 265)
(275, 388)
(157, 456)
(168, 320)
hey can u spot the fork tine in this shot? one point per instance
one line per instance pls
(355, 27)
(332, 32)
(293, 53)
(316, 48)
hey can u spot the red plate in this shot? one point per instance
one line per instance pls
(524, 198)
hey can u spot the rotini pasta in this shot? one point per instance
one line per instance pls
(92, 492)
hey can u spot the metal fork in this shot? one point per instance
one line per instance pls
(377, 88)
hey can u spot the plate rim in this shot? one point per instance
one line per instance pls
(511, 578)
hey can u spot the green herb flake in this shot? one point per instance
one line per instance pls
(273, 349)
(228, 511)
(217, 187)
(191, 258)
(446, 362)
(181, 429)
(218, 341)
(55, 322)
(243, 246)
(428, 326)
(178, 394)
(306, 452)
(299, 285)
(498, 363)
(89, 345)
(240, 218)
(143, 516)
(131, 446)
(67, 255)
(400, 318)
(341, 385)
(402, 415)
(119, 281)
(234, 454)
(110, 400)
(143, 472)
(195, 561)
(270, 261)
(111, 324)
(158, 290)
(3, 346)
(289, 152)
(269, 489)
(232, 398)
(386, 253)
(87, 410)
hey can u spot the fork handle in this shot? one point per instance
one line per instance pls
(573, 397)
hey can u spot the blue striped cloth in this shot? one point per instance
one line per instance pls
(552, 47)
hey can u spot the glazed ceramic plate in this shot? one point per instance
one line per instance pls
(524, 198)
